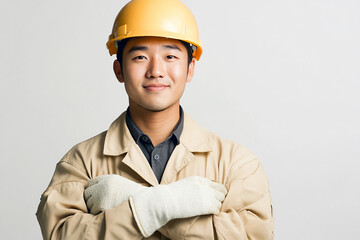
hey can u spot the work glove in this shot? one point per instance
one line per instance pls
(153, 207)
(108, 191)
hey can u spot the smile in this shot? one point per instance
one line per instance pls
(156, 87)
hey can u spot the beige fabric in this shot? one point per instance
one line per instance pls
(246, 212)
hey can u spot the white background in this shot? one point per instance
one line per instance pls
(280, 77)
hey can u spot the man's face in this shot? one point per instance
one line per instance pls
(155, 71)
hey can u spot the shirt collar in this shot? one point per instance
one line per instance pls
(136, 132)
(118, 139)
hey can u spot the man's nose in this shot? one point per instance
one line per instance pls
(156, 68)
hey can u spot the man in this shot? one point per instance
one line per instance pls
(155, 173)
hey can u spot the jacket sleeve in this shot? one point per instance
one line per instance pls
(246, 212)
(62, 212)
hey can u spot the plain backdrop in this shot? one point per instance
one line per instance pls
(280, 77)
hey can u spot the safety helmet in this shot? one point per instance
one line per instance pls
(156, 18)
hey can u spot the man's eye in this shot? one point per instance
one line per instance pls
(139, 58)
(171, 57)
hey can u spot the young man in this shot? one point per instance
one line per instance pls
(155, 173)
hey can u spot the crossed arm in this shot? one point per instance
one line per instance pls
(245, 212)
(153, 207)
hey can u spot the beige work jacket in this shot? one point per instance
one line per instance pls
(246, 212)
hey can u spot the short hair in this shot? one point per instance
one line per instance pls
(122, 44)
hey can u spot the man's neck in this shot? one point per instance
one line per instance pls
(157, 125)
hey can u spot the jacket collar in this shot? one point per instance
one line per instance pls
(193, 137)
(118, 138)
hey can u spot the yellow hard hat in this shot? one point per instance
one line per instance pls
(156, 18)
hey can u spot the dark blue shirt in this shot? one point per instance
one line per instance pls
(157, 156)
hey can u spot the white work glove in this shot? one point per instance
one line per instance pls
(108, 191)
(153, 207)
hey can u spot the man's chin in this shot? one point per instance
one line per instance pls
(158, 108)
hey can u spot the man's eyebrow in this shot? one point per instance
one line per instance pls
(138, 48)
(144, 48)
(172, 46)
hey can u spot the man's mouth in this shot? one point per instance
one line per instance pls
(155, 87)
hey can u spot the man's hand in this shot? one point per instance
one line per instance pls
(153, 207)
(108, 191)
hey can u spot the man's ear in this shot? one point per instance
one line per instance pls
(191, 70)
(118, 71)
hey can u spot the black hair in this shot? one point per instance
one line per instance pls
(122, 44)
